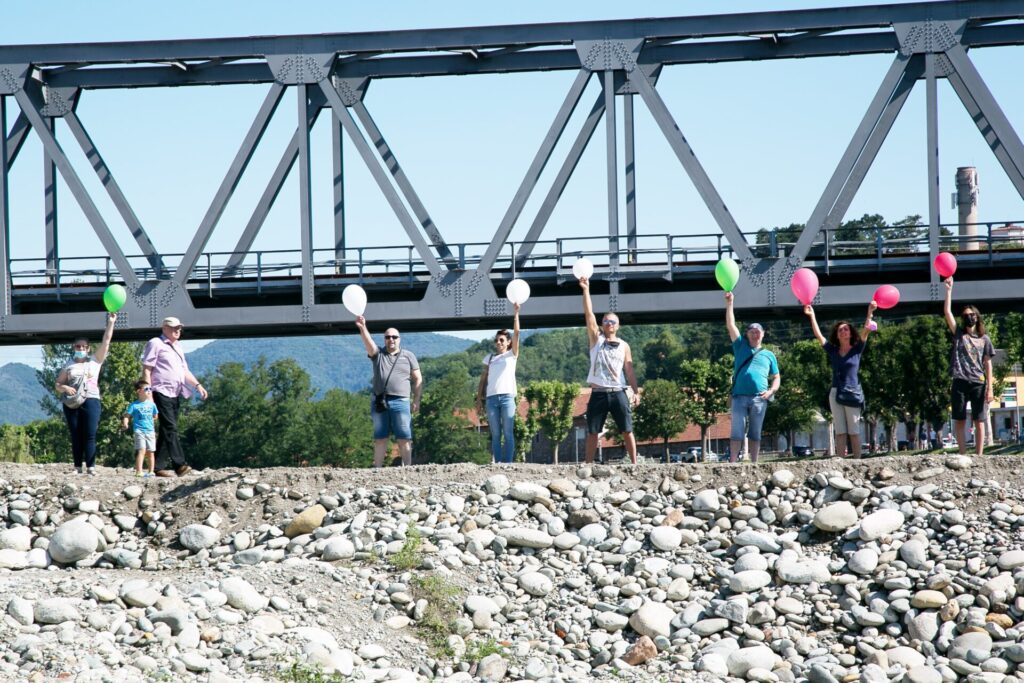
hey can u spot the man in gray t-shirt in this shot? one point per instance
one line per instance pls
(397, 384)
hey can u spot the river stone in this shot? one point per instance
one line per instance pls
(907, 657)
(750, 580)
(306, 521)
(526, 537)
(242, 595)
(705, 501)
(764, 542)
(928, 599)
(592, 534)
(598, 490)
(678, 590)
(880, 523)
(914, 552)
(923, 674)
(653, 619)
(864, 561)
(973, 640)
(1011, 559)
(21, 610)
(497, 485)
(73, 541)
(611, 621)
(783, 479)
(740, 662)
(19, 538)
(643, 649)
(528, 492)
(338, 548)
(835, 517)
(493, 667)
(196, 537)
(707, 627)
(666, 538)
(536, 584)
(55, 611)
(13, 559)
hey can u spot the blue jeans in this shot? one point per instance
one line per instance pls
(396, 420)
(82, 424)
(747, 417)
(501, 416)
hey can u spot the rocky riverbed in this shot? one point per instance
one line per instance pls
(890, 569)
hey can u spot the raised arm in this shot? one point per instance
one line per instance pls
(730, 318)
(947, 306)
(515, 331)
(809, 312)
(364, 334)
(866, 330)
(588, 312)
(108, 334)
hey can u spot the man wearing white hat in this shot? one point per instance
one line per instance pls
(165, 371)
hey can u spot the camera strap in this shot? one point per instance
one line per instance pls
(384, 388)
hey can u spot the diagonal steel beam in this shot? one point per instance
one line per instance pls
(688, 159)
(853, 151)
(114, 190)
(305, 196)
(629, 148)
(561, 180)
(269, 196)
(16, 138)
(391, 162)
(612, 174)
(878, 135)
(370, 159)
(51, 234)
(932, 118)
(989, 117)
(338, 163)
(540, 160)
(230, 182)
(74, 183)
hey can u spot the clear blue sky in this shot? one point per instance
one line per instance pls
(769, 133)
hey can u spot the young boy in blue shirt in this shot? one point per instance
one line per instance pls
(142, 413)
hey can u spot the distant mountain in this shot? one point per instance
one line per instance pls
(19, 399)
(331, 361)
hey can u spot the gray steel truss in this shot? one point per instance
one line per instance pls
(441, 287)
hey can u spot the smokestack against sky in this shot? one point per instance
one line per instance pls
(967, 206)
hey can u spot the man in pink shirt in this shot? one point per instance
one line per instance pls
(165, 370)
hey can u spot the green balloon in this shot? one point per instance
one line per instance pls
(727, 273)
(114, 297)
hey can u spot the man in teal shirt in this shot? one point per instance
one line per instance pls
(755, 379)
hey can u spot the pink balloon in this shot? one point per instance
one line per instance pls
(945, 264)
(886, 296)
(804, 285)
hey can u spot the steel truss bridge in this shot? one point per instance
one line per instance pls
(430, 283)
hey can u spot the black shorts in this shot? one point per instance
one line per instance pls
(964, 392)
(603, 402)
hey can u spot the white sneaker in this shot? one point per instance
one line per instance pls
(80, 469)
(92, 470)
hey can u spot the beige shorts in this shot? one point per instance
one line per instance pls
(145, 440)
(846, 419)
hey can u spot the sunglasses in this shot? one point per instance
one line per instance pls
(612, 344)
(391, 336)
(148, 390)
(609, 322)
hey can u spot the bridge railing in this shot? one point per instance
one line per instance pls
(661, 255)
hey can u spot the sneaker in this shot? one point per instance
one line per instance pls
(92, 471)
(138, 474)
(147, 475)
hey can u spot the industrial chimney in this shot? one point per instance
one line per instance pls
(967, 206)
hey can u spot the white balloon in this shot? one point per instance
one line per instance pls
(583, 268)
(354, 298)
(518, 291)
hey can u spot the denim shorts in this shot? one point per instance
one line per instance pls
(603, 402)
(396, 420)
(747, 417)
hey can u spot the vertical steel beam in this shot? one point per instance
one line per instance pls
(853, 151)
(114, 190)
(74, 183)
(5, 223)
(540, 160)
(51, 236)
(391, 162)
(19, 133)
(630, 161)
(687, 157)
(338, 162)
(612, 173)
(988, 116)
(229, 183)
(305, 197)
(547, 207)
(878, 135)
(932, 114)
(269, 196)
(370, 159)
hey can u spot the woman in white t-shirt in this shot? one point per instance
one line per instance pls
(78, 388)
(498, 390)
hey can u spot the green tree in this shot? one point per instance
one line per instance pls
(442, 430)
(705, 387)
(15, 444)
(49, 440)
(121, 369)
(523, 430)
(662, 356)
(661, 414)
(803, 392)
(335, 431)
(551, 408)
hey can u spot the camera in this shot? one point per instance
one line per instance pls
(380, 403)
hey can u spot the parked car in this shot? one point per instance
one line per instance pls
(803, 451)
(694, 454)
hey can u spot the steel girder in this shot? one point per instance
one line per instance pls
(930, 41)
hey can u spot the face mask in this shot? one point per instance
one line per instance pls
(81, 355)
(970, 320)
